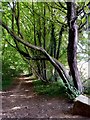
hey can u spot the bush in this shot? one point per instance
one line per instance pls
(12, 66)
(86, 85)
(52, 89)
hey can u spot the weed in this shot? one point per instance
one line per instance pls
(52, 89)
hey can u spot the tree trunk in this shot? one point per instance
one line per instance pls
(54, 62)
(72, 45)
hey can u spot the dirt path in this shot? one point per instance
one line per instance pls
(22, 102)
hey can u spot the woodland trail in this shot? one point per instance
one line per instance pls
(20, 101)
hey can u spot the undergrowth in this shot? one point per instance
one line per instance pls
(54, 89)
(6, 83)
(87, 91)
(51, 89)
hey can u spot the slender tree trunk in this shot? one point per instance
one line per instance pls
(59, 43)
(72, 44)
(44, 43)
(34, 25)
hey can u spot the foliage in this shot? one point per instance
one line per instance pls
(54, 89)
(87, 87)
(12, 65)
(44, 27)
(87, 91)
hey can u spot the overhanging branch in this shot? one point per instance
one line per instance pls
(57, 66)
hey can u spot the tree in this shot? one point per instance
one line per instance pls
(72, 44)
(45, 44)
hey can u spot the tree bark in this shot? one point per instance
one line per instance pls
(55, 63)
(72, 45)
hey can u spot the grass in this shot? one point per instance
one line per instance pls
(53, 89)
(87, 91)
(6, 83)
(87, 87)
(7, 77)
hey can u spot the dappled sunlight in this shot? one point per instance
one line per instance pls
(16, 95)
(13, 95)
(49, 103)
(27, 78)
(18, 107)
(45, 56)
(29, 81)
(24, 78)
(31, 96)
(22, 96)
(25, 102)
(15, 108)
(0, 92)
(4, 92)
(12, 101)
(26, 90)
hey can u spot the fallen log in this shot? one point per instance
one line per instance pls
(82, 106)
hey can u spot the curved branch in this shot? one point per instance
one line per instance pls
(52, 61)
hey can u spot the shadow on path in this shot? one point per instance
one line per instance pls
(22, 102)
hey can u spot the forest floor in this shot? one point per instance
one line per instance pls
(20, 101)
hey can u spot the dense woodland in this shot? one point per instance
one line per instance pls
(47, 39)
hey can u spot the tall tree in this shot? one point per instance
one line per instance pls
(40, 35)
(72, 44)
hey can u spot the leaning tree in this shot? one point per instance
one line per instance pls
(44, 32)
